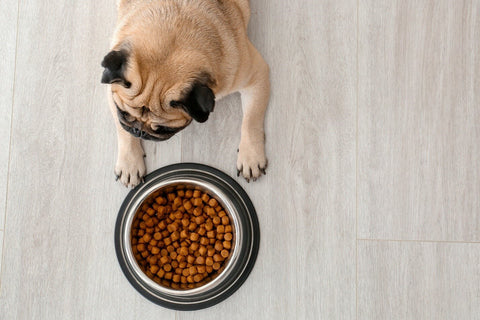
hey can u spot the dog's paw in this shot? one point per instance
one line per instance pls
(251, 161)
(130, 168)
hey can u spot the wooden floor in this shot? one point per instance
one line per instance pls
(370, 208)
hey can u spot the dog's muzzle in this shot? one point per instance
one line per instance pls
(136, 132)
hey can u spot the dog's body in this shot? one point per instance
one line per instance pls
(170, 59)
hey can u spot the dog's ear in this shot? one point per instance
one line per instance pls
(198, 102)
(115, 63)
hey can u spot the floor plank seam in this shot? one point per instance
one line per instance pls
(356, 174)
(418, 241)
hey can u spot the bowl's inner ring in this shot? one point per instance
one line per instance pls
(187, 184)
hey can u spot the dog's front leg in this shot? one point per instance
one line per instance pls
(251, 161)
(130, 167)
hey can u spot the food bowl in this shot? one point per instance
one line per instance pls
(245, 242)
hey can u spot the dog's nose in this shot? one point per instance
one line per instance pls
(136, 132)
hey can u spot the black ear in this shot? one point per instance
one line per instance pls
(198, 102)
(115, 63)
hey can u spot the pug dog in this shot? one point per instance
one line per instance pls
(169, 61)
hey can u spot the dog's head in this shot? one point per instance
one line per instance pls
(158, 92)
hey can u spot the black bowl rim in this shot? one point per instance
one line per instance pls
(250, 210)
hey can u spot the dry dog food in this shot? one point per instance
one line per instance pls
(181, 237)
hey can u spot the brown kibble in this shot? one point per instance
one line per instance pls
(183, 251)
(194, 246)
(216, 220)
(185, 272)
(210, 211)
(211, 234)
(209, 268)
(197, 202)
(162, 225)
(212, 202)
(192, 226)
(167, 241)
(209, 261)
(149, 230)
(178, 215)
(161, 273)
(172, 227)
(202, 250)
(176, 278)
(217, 258)
(202, 231)
(218, 246)
(224, 253)
(197, 194)
(174, 264)
(205, 197)
(225, 220)
(154, 269)
(176, 235)
(149, 223)
(155, 250)
(204, 241)
(198, 278)
(210, 252)
(227, 244)
(228, 236)
(199, 220)
(177, 201)
(194, 236)
(216, 266)
(187, 205)
(164, 260)
(168, 275)
(170, 248)
(220, 229)
(167, 267)
(209, 225)
(173, 255)
(157, 236)
(141, 247)
(190, 259)
(201, 269)
(201, 260)
(184, 234)
(188, 194)
(147, 237)
(192, 270)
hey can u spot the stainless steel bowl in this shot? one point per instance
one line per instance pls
(245, 243)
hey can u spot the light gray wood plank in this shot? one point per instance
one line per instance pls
(415, 280)
(8, 34)
(1, 255)
(306, 202)
(59, 258)
(419, 120)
